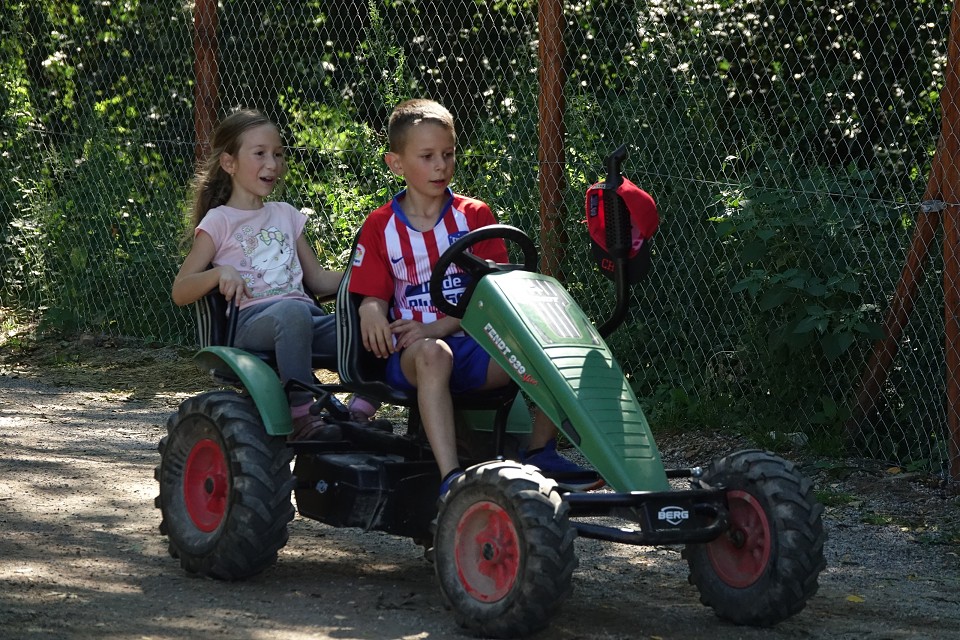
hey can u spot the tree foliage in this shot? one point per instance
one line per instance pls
(784, 142)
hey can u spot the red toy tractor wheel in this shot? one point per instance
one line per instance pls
(741, 556)
(225, 487)
(764, 568)
(205, 484)
(487, 552)
(503, 550)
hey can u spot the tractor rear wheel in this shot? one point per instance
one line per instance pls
(225, 487)
(765, 567)
(503, 549)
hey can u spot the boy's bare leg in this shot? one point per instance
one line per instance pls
(427, 365)
(538, 453)
(543, 429)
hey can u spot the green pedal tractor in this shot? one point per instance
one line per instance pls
(502, 540)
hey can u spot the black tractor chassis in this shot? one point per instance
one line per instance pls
(372, 491)
(378, 491)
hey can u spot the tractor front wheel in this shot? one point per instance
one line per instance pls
(225, 487)
(765, 567)
(503, 549)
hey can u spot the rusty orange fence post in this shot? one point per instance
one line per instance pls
(941, 200)
(206, 74)
(949, 148)
(551, 105)
(901, 306)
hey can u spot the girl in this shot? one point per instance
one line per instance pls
(256, 254)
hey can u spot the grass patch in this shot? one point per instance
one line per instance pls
(98, 363)
(877, 519)
(831, 498)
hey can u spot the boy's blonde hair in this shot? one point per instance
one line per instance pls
(410, 113)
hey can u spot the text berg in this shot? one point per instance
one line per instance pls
(673, 515)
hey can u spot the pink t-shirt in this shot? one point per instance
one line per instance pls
(262, 246)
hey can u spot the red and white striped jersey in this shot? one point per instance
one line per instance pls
(393, 261)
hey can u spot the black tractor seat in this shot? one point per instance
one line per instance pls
(217, 325)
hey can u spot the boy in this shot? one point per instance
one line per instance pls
(399, 244)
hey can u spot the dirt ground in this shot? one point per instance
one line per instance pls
(81, 555)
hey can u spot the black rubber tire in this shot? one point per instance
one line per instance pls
(225, 487)
(765, 568)
(515, 516)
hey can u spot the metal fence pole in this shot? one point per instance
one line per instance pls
(551, 106)
(206, 74)
(942, 194)
(902, 304)
(950, 193)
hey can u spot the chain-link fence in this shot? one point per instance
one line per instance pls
(788, 146)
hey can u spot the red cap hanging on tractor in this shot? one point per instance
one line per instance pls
(644, 220)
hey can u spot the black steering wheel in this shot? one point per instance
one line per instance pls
(476, 267)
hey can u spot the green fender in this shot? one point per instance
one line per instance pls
(259, 380)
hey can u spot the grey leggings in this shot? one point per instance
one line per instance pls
(287, 327)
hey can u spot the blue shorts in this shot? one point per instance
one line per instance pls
(470, 363)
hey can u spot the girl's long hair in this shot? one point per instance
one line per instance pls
(212, 186)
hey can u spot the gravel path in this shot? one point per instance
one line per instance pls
(81, 557)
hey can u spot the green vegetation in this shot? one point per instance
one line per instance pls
(786, 144)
